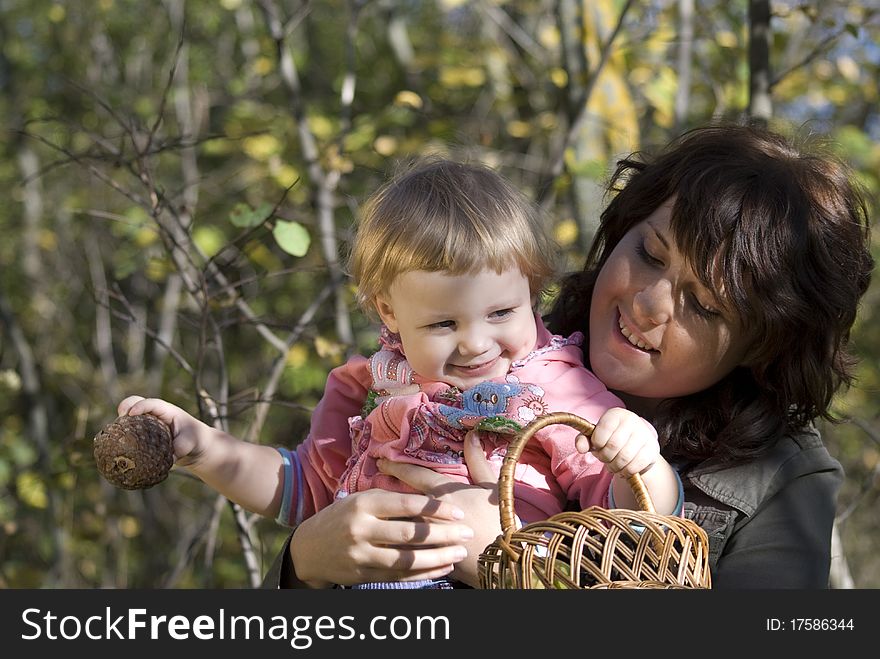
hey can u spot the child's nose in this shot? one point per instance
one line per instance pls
(474, 343)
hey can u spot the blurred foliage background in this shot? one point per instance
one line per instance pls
(180, 178)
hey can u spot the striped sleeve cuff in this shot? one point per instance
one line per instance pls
(679, 503)
(292, 476)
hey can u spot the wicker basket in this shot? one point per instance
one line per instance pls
(596, 548)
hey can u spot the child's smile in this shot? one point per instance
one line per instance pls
(461, 329)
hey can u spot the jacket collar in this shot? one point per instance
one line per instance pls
(746, 486)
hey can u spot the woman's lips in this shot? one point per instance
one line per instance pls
(631, 337)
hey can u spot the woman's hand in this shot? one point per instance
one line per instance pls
(387, 536)
(479, 501)
(377, 535)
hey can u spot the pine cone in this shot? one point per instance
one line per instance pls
(134, 452)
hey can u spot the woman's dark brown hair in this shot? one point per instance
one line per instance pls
(787, 232)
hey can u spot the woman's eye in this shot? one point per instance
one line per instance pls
(646, 256)
(702, 310)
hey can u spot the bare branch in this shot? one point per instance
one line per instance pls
(325, 182)
(103, 328)
(129, 317)
(815, 53)
(867, 487)
(280, 362)
(514, 31)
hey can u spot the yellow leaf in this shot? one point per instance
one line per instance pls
(157, 269)
(10, 380)
(31, 489)
(286, 175)
(262, 256)
(65, 364)
(640, 76)
(263, 66)
(146, 236)
(48, 240)
(517, 128)
(559, 77)
(566, 232)
(385, 145)
(548, 36)
(848, 68)
(612, 101)
(57, 13)
(88, 567)
(462, 76)
(836, 94)
(726, 39)
(327, 348)
(297, 355)
(261, 147)
(824, 69)
(129, 526)
(321, 126)
(407, 98)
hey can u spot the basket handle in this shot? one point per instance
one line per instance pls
(515, 449)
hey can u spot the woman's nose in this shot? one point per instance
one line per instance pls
(654, 302)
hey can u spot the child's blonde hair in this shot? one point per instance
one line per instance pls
(441, 215)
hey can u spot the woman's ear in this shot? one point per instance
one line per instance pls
(386, 313)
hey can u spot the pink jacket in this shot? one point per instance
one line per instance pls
(425, 422)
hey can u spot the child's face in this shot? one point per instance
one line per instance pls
(655, 330)
(461, 329)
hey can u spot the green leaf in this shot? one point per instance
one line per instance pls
(244, 216)
(292, 237)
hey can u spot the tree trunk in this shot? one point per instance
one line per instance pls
(760, 103)
(685, 52)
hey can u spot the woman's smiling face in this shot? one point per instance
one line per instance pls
(656, 331)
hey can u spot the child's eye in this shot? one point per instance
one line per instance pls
(502, 313)
(646, 256)
(443, 324)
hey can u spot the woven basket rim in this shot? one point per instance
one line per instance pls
(506, 476)
(595, 548)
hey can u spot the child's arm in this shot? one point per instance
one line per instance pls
(253, 475)
(248, 474)
(628, 445)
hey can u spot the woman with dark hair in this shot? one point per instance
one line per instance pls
(716, 302)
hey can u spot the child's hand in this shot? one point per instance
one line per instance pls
(624, 441)
(190, 435)
(243, 472)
